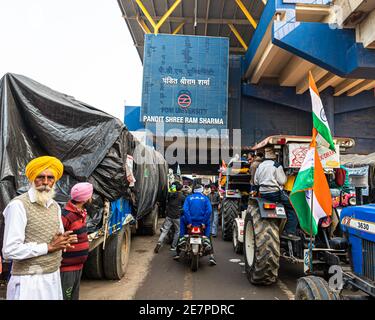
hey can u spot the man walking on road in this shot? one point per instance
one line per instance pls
(215, 201)
(74, 219)
(175, 202)
(34, 235)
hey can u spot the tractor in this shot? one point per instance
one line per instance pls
(357, 271)
(236, 179)
(258, 228)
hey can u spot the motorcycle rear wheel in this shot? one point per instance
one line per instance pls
(194, 263)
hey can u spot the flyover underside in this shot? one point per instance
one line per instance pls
(264, 110)
(293, 38)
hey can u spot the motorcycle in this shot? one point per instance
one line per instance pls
(196, 245)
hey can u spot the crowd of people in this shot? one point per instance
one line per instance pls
(267, 178)
(48, 246)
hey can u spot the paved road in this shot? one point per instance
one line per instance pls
(158, 276)
(168, 279)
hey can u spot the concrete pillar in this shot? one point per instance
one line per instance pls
(329, 108)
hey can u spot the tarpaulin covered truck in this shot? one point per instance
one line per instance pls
(130, 179)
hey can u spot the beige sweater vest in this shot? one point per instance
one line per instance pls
(42, 224)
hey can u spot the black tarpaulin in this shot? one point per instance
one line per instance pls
(93, 146)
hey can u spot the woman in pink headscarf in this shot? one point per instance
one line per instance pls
(74, 218)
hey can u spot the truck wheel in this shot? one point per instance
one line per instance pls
(150, 222)
(261, 248)
(231, 209)
(116, 254)
(93, 267)
(237, 246)
(194, 263)
(314, 288)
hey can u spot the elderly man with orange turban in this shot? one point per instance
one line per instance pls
(34, 235)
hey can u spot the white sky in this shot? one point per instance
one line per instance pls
(79, 47)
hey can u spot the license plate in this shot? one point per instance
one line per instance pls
(195, 240)
(280, 211)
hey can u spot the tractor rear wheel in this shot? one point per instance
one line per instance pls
(261, 248)
(314, 288)
(231, 210)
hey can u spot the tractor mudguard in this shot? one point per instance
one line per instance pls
(278, 213)
(240, 227)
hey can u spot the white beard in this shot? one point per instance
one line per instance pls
(42, 197)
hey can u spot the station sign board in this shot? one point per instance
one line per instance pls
(185, 83)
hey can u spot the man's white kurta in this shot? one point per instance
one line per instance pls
(27, 287)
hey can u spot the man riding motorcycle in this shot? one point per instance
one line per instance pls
(197, 212)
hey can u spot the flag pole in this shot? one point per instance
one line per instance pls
(311, 219)
(313, 143)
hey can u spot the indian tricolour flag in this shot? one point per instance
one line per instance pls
(311, 197)
(320, 122)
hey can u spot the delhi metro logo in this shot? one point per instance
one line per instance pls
(184, 99)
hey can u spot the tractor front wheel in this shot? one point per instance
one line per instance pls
(314, 288)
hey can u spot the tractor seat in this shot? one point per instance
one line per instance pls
(338, 243)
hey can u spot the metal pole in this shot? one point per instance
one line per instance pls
(311, 219)
(358, 196)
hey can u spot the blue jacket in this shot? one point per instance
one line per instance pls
(197, 209)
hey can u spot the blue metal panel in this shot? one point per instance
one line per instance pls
(365, 100)
(364, 213)
(185, 82)
(348, 116)
(281, 95)
(333, 49)
(132, 118)
(261, 118)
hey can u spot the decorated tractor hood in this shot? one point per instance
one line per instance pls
(359, 223)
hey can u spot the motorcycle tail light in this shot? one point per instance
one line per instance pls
(269, 205)
(196, 230)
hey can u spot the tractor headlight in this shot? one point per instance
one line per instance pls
(352, 201)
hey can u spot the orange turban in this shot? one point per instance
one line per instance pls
(38, 165)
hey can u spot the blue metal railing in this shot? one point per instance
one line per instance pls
(317, 2)
(286, 27)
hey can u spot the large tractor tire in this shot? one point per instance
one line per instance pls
(237, 245)
(261, 248)
(314, 288)
(93, 267)
(116, 254)
(230, 211)
(149, 224)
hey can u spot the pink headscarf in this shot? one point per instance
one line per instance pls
(82, 191)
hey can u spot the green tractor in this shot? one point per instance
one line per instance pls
(236, 179)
